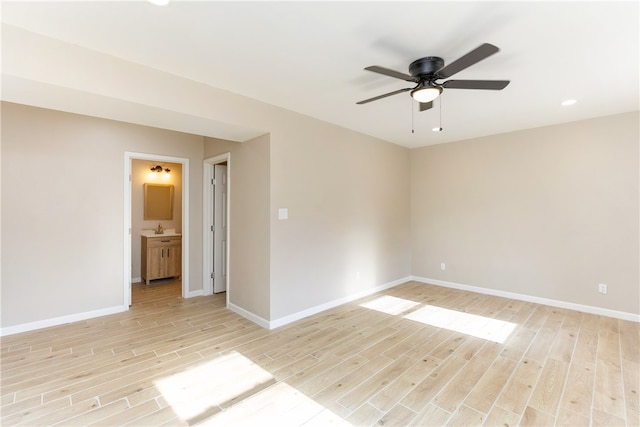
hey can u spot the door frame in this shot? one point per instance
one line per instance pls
(207, 212)
(129, 156)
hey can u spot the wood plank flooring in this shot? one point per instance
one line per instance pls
(414, 355)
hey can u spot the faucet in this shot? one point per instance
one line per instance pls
(159, 230)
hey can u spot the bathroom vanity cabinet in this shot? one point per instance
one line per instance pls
(161, 257)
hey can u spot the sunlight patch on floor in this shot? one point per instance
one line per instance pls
(466, 323)
(279, 405)
(204, 390)
(390, 305)
(457, 321)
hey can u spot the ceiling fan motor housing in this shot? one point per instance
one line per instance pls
(426, 66)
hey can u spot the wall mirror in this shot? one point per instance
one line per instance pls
(158, 202)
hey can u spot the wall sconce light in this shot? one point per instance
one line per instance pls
(159, 169)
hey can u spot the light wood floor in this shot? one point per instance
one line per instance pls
(413, 355)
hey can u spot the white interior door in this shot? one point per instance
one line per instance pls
(220, 228)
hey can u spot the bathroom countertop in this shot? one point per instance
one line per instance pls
(152, 233)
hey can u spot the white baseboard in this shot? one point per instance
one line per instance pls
(249, 315)
(322, 307)
(25, 327)
(136, 279)
(313, 310)
(529, 298)
(197, 293)
(10, 330)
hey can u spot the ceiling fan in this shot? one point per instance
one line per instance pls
(425, 72)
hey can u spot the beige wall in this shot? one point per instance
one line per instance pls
(549, 212)
(347, 197)
(361, 232)
(249, 283)
(140, 175)
(63, 210)
(348, 229)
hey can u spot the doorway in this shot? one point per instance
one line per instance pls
(130, 233)
(219, 227)
(217, 224)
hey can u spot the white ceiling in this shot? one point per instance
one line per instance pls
(309, 57)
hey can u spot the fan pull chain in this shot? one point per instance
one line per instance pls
(440, 107)
(439, 128)
(412, 128)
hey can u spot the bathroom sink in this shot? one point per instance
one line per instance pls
(167, 233)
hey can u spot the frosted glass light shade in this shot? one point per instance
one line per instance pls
(426, 94)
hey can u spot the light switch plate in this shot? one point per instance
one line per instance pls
(283, 213)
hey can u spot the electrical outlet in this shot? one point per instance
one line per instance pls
(443, 266)
(602, 288)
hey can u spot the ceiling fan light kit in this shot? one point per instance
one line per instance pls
(425, 71)
(426, 94)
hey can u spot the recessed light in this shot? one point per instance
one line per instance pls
(568, 102)
(159, 2)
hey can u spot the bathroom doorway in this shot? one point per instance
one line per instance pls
(141, 170)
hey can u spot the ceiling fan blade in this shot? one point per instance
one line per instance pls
(476, 55)
(375, 98)
(391, 73)
(426, 105)
(476, 84)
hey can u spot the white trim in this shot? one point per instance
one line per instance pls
(128, 157)
(56, 321)
(331, 304)
(126, 250)
(207, 176)
(185, 228)
(136, 279)
(529, 298)
(197, 293)
(207, 243)
(249, 315)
